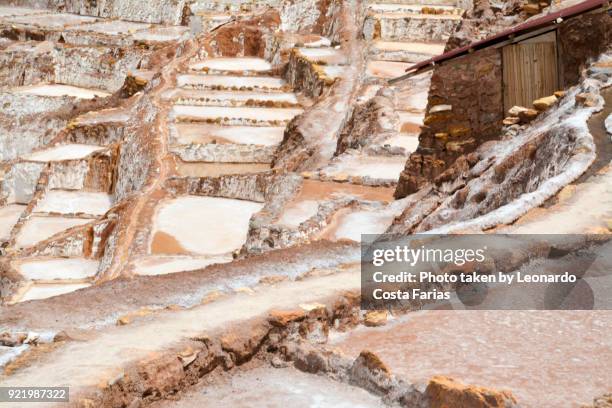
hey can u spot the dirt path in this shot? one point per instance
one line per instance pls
(80, 365)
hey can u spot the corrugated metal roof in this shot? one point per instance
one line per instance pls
(519, 29)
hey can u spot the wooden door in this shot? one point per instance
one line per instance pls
(530, 70)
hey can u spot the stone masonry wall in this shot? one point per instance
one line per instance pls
(465, 109)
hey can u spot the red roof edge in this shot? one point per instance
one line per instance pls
(525, 27)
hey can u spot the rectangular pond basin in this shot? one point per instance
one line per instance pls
(204, 133)
(39, 228)
(9, 215)
(375, 167)
(230, 82)
(535, 354)
(72, 151)
(278, 387)
(114, 27)
(8, 11)
(407, 8)
(161, 34)
(325, 55)
(387, 69)
(74, 202)
(52, 21)
(44, 291)
(162, 265)
(112, 115)
(313, 193)
(233, 64)
(350, 224)
(407, 141)
(202, 169)
(202, 225)
(410, 122)
(58, 90)
(57, 269)
(229, 98)
(406, 51)
(212, 113)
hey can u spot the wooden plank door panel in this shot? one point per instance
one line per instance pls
(530, 71)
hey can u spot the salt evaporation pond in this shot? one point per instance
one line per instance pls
(161, 265)
(74, 202)
(275, 388)
(229, 81)
(63, 152)
(37, 292)
(234, 64)
(57, 269)
(376, 167)
(202, 169)
(526, 352)
(57, 90)
(9, 215)
(202, 225)
(237, 113)
(203, 133)
(38, 228)
(228, 97)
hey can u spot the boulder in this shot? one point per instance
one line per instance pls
(375, 318)
(516, 110)
(531, 9)
(509, 121)
(282, 318)
(123, 321)
(545, 103)
(528, 115)
(445, 392)
(608, 124)
(586, 99)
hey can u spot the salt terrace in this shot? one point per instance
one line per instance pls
(184, 186)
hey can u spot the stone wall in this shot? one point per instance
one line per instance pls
(465, 109)
(581, 39)
(151, 11)
(97, 67)
(246, 38)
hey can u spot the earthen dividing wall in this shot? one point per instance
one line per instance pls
(465, 109)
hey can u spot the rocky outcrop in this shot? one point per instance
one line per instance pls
(310, 139)
(486, 18)
(248, 38)
(375, 119)
(306, 76)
